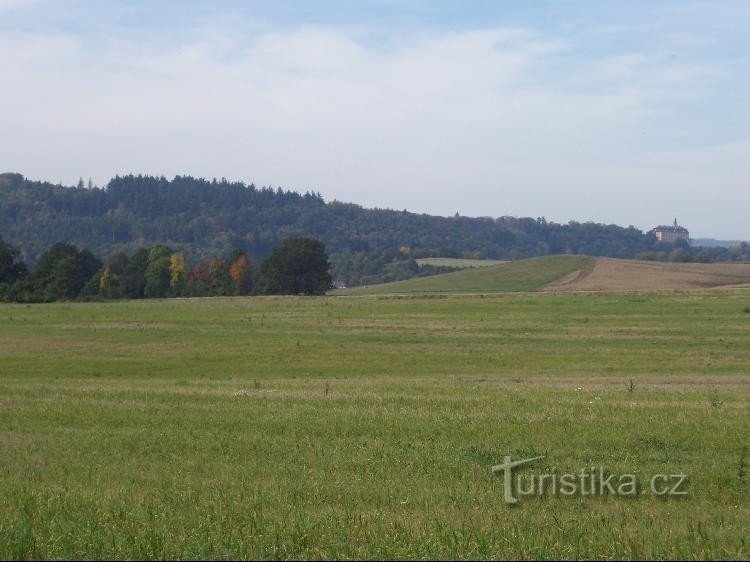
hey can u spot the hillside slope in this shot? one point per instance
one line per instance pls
(521, 275)
(209, 218)
(570, 274)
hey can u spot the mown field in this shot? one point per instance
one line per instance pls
(367, 426)
(513, 276)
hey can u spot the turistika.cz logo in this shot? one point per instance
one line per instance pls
(589, 481)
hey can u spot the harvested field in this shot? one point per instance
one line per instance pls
(568, 273)
(606, 274)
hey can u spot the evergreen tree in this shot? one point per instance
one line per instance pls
(61, 274)
(134, 278)
(11, 268)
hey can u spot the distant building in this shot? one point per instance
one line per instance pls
(672, 233)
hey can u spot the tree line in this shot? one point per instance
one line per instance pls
(681, 251)
(209, 218)
(65, 272)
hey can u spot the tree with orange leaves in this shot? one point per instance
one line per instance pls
(242, 272)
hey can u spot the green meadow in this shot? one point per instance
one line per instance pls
(367, 426)
(513, 276)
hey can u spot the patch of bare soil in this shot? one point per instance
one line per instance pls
(607, 274)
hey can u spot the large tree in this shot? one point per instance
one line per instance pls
(158, 278)
(298, 266)
(62, 272)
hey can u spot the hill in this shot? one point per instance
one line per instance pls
(713, 243)
(208, 218)
(522, 275)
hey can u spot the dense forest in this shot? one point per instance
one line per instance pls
(204, 219)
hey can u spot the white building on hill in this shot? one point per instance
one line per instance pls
(671, 233)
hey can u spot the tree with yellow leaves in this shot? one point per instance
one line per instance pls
(177, 272)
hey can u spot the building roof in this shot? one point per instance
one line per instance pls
(671, 229)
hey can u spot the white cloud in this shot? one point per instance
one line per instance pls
(489, 122)
(12, 4)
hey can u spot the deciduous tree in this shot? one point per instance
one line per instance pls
(298, 266)
(243, 273)
(177, 272)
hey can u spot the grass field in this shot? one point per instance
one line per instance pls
(367, 426)
(513, 276)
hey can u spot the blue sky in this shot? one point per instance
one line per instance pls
(621, 112)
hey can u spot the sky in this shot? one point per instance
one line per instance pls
(632, 113)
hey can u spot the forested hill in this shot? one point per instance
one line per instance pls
(207, 218)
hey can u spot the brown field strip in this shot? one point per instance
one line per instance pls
(609, 274)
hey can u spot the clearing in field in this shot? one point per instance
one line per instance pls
(459, 263)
